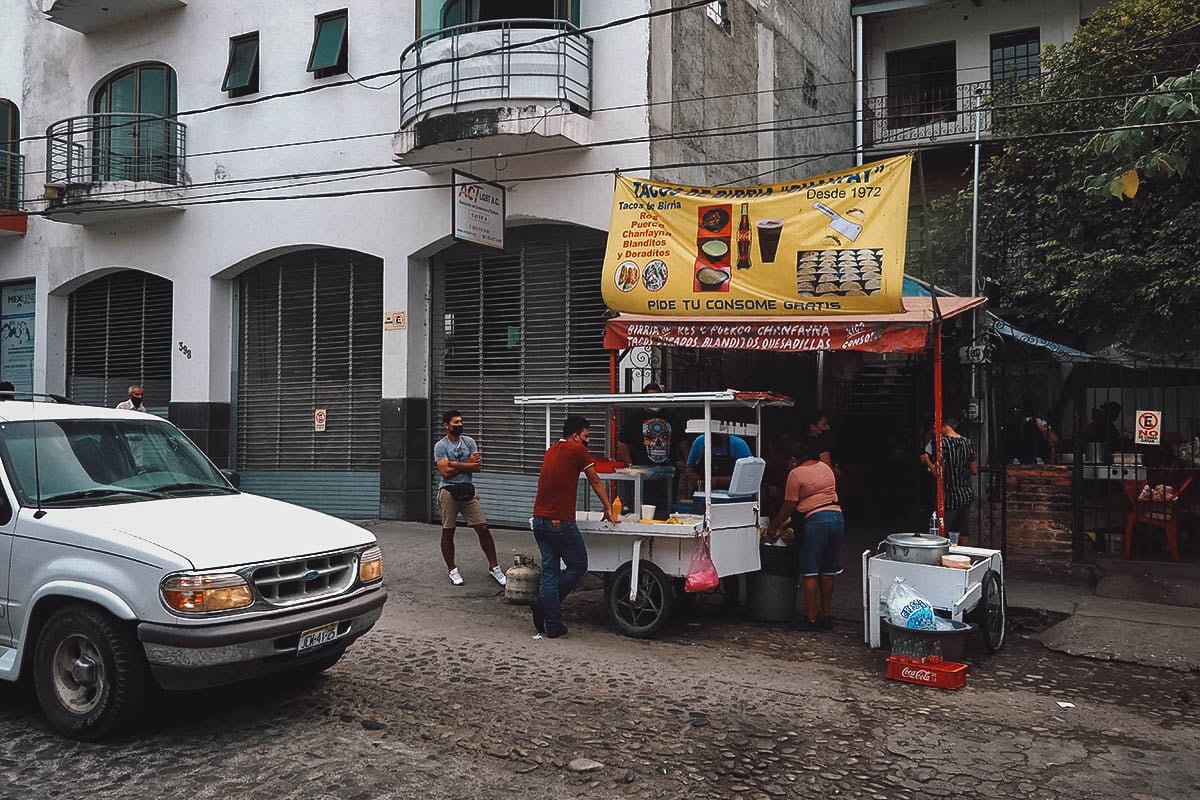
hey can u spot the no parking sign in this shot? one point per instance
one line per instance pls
(1149, 427)
(319, 420)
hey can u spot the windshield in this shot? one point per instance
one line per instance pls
(90, 462)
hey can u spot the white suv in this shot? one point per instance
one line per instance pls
(128, 559)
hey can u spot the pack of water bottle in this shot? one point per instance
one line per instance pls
(908, 609)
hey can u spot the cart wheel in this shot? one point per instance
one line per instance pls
(640, 618)
(993, 612)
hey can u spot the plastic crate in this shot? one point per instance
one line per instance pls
(939, 674)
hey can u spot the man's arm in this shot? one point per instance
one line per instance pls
(449, 469)
(598, 487)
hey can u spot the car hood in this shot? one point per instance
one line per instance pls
(220, 531)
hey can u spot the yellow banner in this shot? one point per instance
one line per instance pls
(828, 244)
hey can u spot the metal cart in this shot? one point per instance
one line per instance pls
(977, 592)
(642, 562)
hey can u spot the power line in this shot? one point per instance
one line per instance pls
(631, 169)
(736, 129)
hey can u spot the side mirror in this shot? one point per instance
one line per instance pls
(233, 476)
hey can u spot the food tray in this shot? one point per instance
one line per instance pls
(939, 674)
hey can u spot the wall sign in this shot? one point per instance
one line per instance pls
(319, 420)
(17, 312)
(477, 211)
(1149, 427)
(395, 320)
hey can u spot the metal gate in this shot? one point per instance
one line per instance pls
(309, 338)
(529, 320)
(119, 334)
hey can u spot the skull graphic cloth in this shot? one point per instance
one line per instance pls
(656, 437)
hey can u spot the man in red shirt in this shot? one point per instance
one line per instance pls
(554, 527)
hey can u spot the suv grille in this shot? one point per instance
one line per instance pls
(305, 579)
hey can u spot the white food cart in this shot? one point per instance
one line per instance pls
(643, 562)
(977, 591)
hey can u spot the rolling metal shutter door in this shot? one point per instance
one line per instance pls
(309, 337)
(529, 320)
(119, 334)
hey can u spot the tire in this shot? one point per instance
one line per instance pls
(993, 612)
(643, 617)
(89, 673)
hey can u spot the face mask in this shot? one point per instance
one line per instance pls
(137, 401)
(456, 430)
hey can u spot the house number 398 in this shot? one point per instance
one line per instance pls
(187, 351)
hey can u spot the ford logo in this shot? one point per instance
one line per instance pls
(311, 575)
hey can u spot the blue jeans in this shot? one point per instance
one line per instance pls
(564, 543)
(822, 548)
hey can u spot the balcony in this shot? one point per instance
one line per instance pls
(86, 16)
(108, 166)
(494, 85)
(13, 221)
(941, 114)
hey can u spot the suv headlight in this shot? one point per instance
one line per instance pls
(370, 565)
(200, 594)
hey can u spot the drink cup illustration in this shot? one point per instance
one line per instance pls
(768, 238)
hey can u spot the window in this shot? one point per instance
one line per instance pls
(921, 85)
(719, 14)
(126, 145)
(330, 45)
(809, 89)
(241, 76)
(10, 155)
(1015, 55)
(436, 15)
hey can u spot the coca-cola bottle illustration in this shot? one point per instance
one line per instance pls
(743, 239)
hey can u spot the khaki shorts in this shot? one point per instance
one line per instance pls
(471, 510)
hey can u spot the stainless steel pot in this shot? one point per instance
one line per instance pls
(917, 548)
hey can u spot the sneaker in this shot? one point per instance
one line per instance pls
(498, 574)
(826, 624)
(562, 631)
(456, 577)
(539, 616)
(806, 624)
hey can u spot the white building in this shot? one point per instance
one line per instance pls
(927, 65)
(226, 200)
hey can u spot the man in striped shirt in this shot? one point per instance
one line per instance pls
(959, 464)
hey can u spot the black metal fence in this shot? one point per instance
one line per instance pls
(116, 147)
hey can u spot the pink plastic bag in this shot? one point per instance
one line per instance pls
(702, 575)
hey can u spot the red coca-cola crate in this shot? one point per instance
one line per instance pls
(942, 674)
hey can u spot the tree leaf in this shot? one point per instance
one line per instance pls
(1129, 183)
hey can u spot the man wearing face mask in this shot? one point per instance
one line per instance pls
(651, 437)
(457, 459)
(134, 403)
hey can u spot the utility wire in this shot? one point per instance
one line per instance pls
(737, 129)
(629, 169)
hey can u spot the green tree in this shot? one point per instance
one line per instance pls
(1069, 263)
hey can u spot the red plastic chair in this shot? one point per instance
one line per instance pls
(1162, 514)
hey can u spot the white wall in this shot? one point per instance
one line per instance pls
(204, 246)
(970, 27)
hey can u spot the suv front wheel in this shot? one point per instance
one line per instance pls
(89, 672)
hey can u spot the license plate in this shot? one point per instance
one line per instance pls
(313, 638)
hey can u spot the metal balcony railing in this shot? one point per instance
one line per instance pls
(116, 147)
(12, 181)
(931, 114)
(512, 59)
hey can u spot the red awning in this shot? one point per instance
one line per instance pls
(906, 332)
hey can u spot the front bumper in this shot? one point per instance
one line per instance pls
(197, 657)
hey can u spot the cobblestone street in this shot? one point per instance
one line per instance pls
(451, 697)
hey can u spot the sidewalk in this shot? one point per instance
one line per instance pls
(1137, 612)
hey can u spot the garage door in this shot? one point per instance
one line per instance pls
(529, 320)
(119, 334)
(309, 327)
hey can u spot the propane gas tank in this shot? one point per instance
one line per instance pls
(523, 578)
